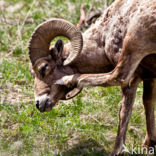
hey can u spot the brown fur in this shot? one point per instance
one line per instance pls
(121, 46)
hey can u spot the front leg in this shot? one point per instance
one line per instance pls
(128, 97)
(149, 100)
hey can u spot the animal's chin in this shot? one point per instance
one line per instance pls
(48, 109)
(72, 92)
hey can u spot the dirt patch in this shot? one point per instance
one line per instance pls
(13, 95)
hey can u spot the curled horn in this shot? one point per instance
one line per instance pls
(40, 40)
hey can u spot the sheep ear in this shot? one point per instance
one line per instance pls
(73, 93)
(59, 46)
(57, 50)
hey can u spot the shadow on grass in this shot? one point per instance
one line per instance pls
(86, 148)
(89, 148)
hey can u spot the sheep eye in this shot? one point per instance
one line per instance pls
(43, 70)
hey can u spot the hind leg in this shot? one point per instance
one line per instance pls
(138, 43)
(129, 60)
(149, 101)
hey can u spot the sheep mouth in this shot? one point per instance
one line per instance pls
(47, 106)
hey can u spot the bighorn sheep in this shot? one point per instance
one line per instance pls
(119, 49)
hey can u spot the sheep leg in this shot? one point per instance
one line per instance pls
(120, 76)
(128, 97)
(149, 99)
(130, 58)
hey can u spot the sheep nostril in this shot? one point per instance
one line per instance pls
(37, 104)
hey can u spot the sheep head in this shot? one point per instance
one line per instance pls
(47, 63)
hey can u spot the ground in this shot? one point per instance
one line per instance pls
(85, 125)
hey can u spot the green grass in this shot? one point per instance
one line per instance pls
(85, 125)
